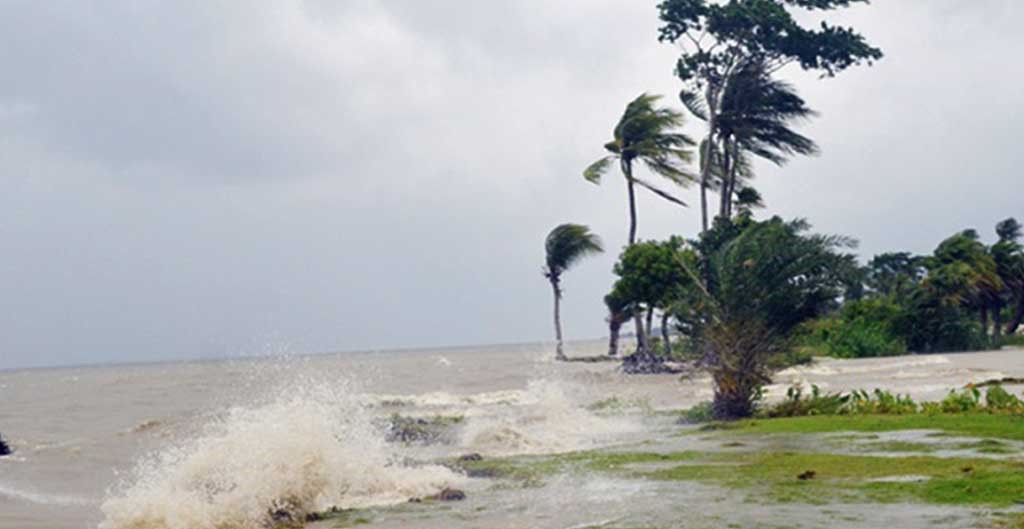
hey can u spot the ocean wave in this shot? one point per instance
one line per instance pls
(548, 420)
(40, 498)
(848, 367)
(444, 399)
(306, 451)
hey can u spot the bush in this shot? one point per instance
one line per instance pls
(880, 402)
(998, 400)
(700, 413)
(796, 404)
(863, 328)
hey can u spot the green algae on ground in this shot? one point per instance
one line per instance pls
(970, 424)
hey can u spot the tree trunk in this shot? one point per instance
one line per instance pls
(559, 351)
(705, 170)
(614, 324)
(730, 191)
(650, 321)
(997, 322)
(1018, 315)
(664, 335)
(627, 170)
(983, 318)
(723, 202)
(641, 336)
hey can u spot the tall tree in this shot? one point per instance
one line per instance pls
(755, 119)
(720, 37)
(1008, 254)
(648, 135)
(564, 247)
(961, 272)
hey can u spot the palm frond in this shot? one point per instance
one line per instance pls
(567, 244)
(594, 171)
(694, 103)
(659, 192)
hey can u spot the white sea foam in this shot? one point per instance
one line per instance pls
(444, 399)
(308, 450)
(547, 420)
(833, 367)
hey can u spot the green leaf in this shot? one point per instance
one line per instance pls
(593, 172)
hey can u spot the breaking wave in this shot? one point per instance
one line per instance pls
(549, 419)
(307, 450)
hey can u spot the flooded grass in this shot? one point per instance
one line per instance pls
(969, 424)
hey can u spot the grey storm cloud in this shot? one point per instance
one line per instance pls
(189, 179)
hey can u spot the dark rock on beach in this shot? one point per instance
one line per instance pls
(5, 449)
(449, 495)
(419, 430)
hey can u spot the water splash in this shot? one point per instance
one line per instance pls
(307, 450)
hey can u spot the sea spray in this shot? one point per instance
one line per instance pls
(550, 417)
(307, 450)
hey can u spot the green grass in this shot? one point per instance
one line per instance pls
(772, 476)
(968, 424)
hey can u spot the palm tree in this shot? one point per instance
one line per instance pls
(564, 246)
(649, 135)
(753, 118)
(1009, 257)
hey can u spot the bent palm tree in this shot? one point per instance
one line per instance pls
(649, 135)
(646, 134)
(754, 118)
(564, 246)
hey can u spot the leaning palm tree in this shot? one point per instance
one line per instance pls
(565, 245)
(649, 135)
(754, 117)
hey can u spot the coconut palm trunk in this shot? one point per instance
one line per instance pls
(613, 336)
(664, 335)
(1018, 316)
(564, 246)
(559, 347)
(627, 171)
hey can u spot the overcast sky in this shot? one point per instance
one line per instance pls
(184, 179)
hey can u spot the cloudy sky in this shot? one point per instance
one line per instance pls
(184, 179)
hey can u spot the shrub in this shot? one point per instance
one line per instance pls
(699, 413)
(880, 402)
(796, 404)
(998, 400)
(864, 328)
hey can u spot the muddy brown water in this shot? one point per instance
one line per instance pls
(208, 444)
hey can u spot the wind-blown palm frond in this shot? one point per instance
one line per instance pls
(596, 170)
(648, 134)
(567, 244)
(694, 103)
(757, 112)
(659, 192)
